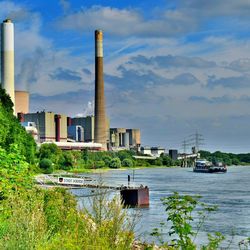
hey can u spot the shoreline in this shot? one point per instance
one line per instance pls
(103, 170)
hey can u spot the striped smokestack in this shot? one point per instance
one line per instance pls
(100, 115)
(7, 58)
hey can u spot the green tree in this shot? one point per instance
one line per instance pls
(11, 132)
(167, 161)
(66, 160)
(14, 171)
(46, 165)
(115, 163)
(127, 163)
(99, 164)
(50, 151)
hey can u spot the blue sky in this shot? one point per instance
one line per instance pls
(171, 67)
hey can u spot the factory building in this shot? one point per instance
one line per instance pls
(76, 133)
(7, 59)
(152, 151)
(173, 154)
(126, 138)
(22, 102)
(51, 127)
(88, 124)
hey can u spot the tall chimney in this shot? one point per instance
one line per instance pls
(100, 116)
(7, 59)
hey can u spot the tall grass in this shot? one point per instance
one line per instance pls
(50, 219)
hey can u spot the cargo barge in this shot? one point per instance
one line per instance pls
(204, 166)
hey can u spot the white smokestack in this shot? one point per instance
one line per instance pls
(7, 59)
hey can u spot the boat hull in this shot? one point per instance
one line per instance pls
(211, 170)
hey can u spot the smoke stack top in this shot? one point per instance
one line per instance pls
(98, 45)
(8, 20)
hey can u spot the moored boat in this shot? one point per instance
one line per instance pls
(204, 166)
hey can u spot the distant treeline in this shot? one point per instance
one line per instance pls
(51, 158)
(227, 158)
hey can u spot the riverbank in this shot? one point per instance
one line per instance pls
(106, 169)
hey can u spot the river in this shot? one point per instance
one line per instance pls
(230, 191)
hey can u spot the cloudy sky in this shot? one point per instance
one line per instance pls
(172, 67)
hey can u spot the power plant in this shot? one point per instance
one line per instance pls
(100, 114)
(91, 132)
(7, 59)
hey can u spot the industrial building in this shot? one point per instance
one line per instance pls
(88, 124)
(76, 133)
(51, 127)
(126, 138)
(7, 59)
(152, 151)
(22, 102)
(173, 154)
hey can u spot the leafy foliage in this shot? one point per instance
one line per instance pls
(115, 163)
(14, 172)
(180, 214)
(46, 165)
(11, 132)
(127, 163)
(50, 219)
(227, 158)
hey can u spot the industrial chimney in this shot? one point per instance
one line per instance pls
(7, 59)
(100, 116)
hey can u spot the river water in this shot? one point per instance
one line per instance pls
(230, 191)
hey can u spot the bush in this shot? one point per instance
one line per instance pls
(51, 219)
(107, 159)
(127, 163)
(115, 163)
(66, 160)
(50, 151)
(99, 164)
(158, 162)
(46, 165)
(14, 172)
(89, 164)
(167, 161)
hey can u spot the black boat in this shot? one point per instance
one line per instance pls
(204, 166)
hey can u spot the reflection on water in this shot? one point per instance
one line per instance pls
(230, 191)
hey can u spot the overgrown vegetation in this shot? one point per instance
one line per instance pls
(11, 132)
(75, 160)
(227, 158)
(50, 219)
(182, 228)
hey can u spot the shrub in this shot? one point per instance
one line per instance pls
(14, 172)
(66, 160)
(158, 162)
(89, 164)
(107, 159)
(127, 163)
(99, 164)
(115, 163)
(46, 165)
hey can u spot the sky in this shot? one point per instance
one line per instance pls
(171, 67)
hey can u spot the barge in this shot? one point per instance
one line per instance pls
(204, 166)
